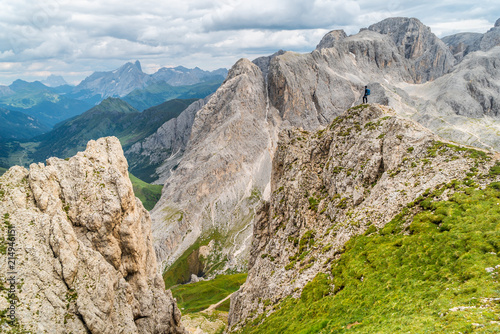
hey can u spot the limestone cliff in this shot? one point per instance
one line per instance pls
(462, 105)
(222, 175)
(429, 55)
(84, 257)
(329, 185)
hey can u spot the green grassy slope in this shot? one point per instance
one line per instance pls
(106, 119)
(149, 194)
(440, 274)
(112, 117)
(195, 297)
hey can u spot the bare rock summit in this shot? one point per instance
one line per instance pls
(84, 257)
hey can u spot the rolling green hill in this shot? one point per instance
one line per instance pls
(195, 297)
(110, 117)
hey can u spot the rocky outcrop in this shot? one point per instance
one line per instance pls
(491, 38)
(332, 184)
(463, 43)
(429, 55)
(331, 39)
(84, 257)
(164, 149)
(222, 175)
(263, 62)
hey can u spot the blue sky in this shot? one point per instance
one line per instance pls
(74, 38)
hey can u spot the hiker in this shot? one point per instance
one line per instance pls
(365, 97)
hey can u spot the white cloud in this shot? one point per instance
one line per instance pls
(75, 37)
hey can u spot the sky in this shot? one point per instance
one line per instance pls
(74, 38)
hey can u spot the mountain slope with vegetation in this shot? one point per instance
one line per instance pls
(112, 117)
(17, 125)
(373, 222)
(44, 103)
(158, 92)
(436, 271)
(149, 194)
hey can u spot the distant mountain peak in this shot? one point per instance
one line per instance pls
(54, 81)
(497, 23)
(138, 65)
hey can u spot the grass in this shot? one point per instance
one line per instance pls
(149, 194)
(195, 297)
(433, 276)
(188, 263)
(2, 170)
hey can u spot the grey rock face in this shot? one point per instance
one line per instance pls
(464, 43)
(180, 76)
(497, 23)
(309, 90)
(330, 39)
(263, 62)
(84, 249)
(224, 171)
(330, 185)
(463, 105)
(116, 83)
(431, 58)
(165, 148)
(490, 39)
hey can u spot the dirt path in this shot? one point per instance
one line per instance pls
(212, 307)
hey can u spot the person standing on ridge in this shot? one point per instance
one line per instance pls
(365, 96)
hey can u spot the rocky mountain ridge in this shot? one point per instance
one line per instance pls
(221, 175)
(54, 81)
(462, 44)
(130, 76)
(16, 125)
(400, 60)
(84, 259)
(332, 184)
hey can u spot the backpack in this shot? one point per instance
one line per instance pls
(367, 92)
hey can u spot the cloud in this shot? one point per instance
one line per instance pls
(280, 14)
(75, 37)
